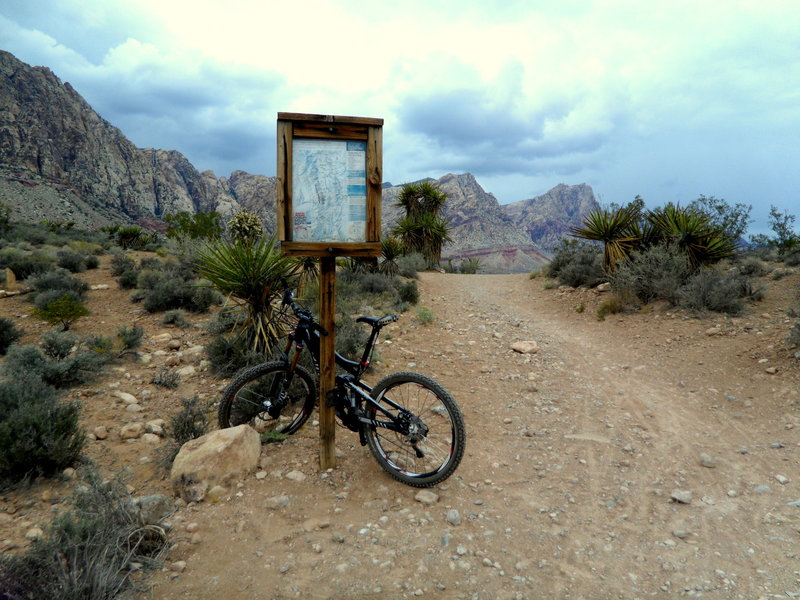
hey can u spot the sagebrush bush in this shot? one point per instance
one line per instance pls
(58, 280)
(410, 265)
(130, 338)
(72, 369)
(9, 333)
(470, 266)
(408, 292)
(166, 378)
(657, 273)
(374, 283)
(88, 551)
(148, 279)
(128, 280)
(610, 306)
(228, 355)
(72, 261)
(752, 266)
(794, 336)
(425, 315)
(91, 261)
(58, 344)
(709, 289)
(121, 263)
(39, 435)
(176, 318)
(190, 422)
(577, 264)
(26, 264)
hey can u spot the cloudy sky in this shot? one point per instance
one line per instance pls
(668, 99)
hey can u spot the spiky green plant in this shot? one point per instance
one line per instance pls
(422, 230)
(693, 233)
(617, 229)
(391, 250)
(245, 228)
(250, 276)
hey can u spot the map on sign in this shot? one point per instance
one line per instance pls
(329, 189)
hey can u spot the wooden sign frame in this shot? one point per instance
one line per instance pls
(302, 127)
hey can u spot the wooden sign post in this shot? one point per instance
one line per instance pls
(330, 173)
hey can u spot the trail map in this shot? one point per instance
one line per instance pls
(329, 189)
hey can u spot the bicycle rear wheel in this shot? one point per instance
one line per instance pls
(246, 399)
(434, 446)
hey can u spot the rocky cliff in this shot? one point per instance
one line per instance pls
(59, 160)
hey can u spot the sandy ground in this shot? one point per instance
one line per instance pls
(566, 489)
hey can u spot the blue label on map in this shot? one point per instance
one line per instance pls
(356, 190)
(356, 146)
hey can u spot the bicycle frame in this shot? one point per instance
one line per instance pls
(305, 335)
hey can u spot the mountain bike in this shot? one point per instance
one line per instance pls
(412, 425)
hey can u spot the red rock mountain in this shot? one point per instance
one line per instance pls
(59, 160)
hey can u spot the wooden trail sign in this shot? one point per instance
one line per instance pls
(330, 171)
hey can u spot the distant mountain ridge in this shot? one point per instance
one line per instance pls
(61, 161)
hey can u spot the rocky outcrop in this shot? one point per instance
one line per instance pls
(56, 150)
(547, 218)
(61, 161)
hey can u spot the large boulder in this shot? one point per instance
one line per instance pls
(217, 458)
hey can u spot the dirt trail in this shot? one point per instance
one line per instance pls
(565, 490)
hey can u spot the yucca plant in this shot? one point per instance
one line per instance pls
(391, 250)
(692, 232)
(250, 276)
(422, 230)
(617, 229)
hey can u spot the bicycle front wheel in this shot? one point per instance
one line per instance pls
(433, 447)
(247, 398)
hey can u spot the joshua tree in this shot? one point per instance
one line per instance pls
(422, 230)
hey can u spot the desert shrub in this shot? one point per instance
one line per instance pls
(190, 422)
(176, 318)
(534, 274)
(148, 279)
(449, 267)
(410, 265)
(88, 551)
(86, 248)
(794, 336)
(577, 264)
(63, 311)
(26, 264)
(657, 273)
(792, 258)
(43, 299)
(167, 378)
(709, 289)
(59, 372)
(9, 333)
(173, 293)
(137, 296)
(58, 280)
(91, 261)
(350, 337)
(150, 263)
(128, 280)
(121, 263)
(223, 322)
(610, 306)
(130, 338)
(752, 266)
(375, 283)
(102, 346)
(38, 434)
(425, 315)
(71, 261)
(408, 292)
(470, 266)
(133, 237)
(228, 355)
(58, 344)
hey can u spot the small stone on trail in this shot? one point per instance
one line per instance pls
(216, 493)
(101, 432)
(426, 497)
(707, 461)
(453, 517)
(681, 496)
(296, 476)
(525, 347)
(782, 479)
(125, 397)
